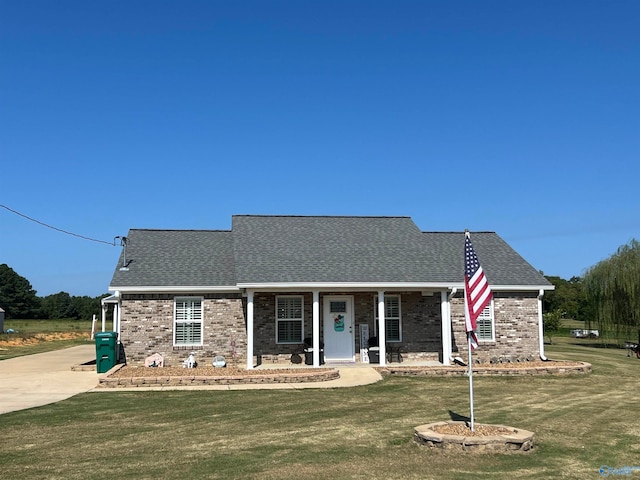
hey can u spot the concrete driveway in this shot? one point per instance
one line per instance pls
(43, 378)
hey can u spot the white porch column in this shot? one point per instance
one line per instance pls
(382, 333)
(316, 329)
(445, 313)
(117, 309)
(117, 318)
(105, 308)
(249, 330)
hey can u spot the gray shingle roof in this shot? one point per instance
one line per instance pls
(315, 249)
(179, 258)
(501, 263)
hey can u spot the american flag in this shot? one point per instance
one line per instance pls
(477, 293)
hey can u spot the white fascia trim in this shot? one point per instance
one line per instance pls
(386, 286)
(166, 289)
(521, 288)
(511, 288)
(344, 286)
(322, 286)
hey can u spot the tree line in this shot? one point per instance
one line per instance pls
(19, 300)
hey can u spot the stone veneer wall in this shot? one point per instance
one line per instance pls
(147, 327)
(516, 329)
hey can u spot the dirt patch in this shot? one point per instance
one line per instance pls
(17, 340)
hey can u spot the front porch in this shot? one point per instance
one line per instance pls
(316, 329)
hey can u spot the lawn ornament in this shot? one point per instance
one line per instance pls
(190, 362)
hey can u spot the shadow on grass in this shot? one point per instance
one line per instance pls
(597, 345)
(456, 417)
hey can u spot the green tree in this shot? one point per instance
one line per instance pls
(63, 305)
(552, 322)
(59, 305)
(569, 297)
(17, 296)
(613, 288)
(86, 307)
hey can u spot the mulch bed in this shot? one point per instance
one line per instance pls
(129, 371)
(464, 431)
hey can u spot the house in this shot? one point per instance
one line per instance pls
(255, 293)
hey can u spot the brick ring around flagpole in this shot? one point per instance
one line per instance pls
(457, 436)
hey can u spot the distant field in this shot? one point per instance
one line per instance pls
(37, 336)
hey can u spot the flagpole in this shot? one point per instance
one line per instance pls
(477, 295)
(471, 381)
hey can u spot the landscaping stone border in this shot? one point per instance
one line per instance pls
(196, 380)
(490, 370)
(517, 441)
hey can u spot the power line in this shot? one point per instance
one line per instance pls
(56, 228)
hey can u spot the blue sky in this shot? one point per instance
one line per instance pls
(515, 117)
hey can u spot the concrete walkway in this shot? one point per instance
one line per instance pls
(349, 377)
(44, 378)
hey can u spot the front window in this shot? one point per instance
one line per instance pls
(393, 323)
(485, 324)
(289, 319)
(188, 322)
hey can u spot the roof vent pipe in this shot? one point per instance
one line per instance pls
(123, 244)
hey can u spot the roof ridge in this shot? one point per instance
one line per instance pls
(322, 216)
(457, 231)
(177, 230)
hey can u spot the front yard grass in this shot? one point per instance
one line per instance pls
(581, 422)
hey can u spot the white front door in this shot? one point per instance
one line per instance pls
(339, 343)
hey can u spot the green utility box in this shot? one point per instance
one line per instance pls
(106, 345)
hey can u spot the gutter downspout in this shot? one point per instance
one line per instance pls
(541, 326)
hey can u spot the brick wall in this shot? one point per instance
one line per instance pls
(516, 329)
(265, 347)
(147, 328)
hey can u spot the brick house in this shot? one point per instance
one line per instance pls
(254, 294)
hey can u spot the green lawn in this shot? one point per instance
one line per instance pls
(581, 422)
